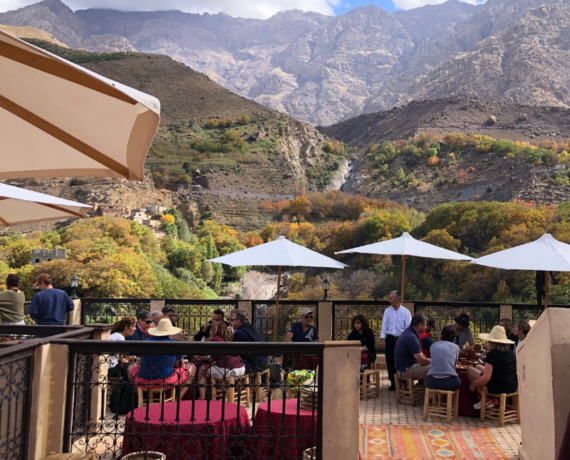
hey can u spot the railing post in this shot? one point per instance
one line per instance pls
(75, 315)
(48, 400)
(506, 311)
(341, 399)
(410, 306)
(157, 305)
(325, 321)
(247, 306)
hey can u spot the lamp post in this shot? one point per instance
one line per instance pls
(74, 284)
(326, 287)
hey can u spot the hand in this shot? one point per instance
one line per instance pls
(472, 386)
(206, 326)
(382, 343)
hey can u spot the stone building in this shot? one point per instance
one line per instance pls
(46, 255)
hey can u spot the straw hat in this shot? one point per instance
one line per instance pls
(497, 335)
(164, 328)
(532, 322)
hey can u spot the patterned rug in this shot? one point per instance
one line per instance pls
(399, 442)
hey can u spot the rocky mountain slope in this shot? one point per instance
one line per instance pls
(472, 175)
(324, 69)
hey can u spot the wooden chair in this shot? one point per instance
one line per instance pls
(504, 412)
(438, 408)
(232, 387)
(369, 384)
(157, 395)
(411, 393)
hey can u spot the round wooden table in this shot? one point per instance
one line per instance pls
(205, 431)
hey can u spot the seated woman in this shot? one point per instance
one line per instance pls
(425, 337)
(520, 330)
(223, 366)
(500, 372)
(361, 331)
(159, 371)
(463, 332)
(121, 330)
(444, 354)
(508, 325)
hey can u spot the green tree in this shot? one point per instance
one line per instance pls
(207, 272)
(400, 175)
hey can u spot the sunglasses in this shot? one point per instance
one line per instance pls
(148, 322)
(309, 316)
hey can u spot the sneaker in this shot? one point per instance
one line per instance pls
(490, 404)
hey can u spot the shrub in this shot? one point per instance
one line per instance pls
(433, 161)
(243, 120)
(212, 124)
(489, 189)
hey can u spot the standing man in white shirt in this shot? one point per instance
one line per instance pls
(396, 319)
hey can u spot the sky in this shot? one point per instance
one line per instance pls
(238, 8)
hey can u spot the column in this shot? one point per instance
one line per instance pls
(247, 306)
(506, 312)
(325, 321)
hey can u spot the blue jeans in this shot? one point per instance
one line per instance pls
(444, 384)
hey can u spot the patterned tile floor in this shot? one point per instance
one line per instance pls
(386, 411)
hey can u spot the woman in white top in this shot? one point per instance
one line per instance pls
(121, 329)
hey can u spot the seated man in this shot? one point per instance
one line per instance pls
(464, 334)
(411, 363)
(303, 331)
(204, 332)
(245, 332)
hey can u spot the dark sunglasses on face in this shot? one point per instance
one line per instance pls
(149, 321)
(309, 316)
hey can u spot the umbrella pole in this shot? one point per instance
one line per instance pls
(546, 289)
(403, 277)
(276, 320)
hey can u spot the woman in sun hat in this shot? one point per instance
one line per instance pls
(500, 372)
(159, 371)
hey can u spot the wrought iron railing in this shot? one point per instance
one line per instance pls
(192, 314)
(289, 312)
(345, 310)
(167, 400)
(108, 311)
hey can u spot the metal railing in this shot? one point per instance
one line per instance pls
(263, 316)
(192, 314)
(107, 311)
(345, 310)
(171, 403)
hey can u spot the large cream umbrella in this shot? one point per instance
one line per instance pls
(405, 246)
(280, 253)
(21, 206)
(545, 254)
(59, 119)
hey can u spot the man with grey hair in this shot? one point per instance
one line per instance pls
(411, 363)
(245, 332)
(396, 320)
(156, 317)
(144, 320)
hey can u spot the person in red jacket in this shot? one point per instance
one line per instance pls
(425, 337)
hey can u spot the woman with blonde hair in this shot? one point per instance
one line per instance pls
(500, 372)
(223, 366)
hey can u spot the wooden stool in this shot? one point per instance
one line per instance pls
(412, 393)
(438, 408)
(157, 395)
(369, 384)
(504, 412)
(261, 390)
(231, 387)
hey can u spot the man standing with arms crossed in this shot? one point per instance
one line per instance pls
(396, 320)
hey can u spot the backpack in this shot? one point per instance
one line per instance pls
(123, 397)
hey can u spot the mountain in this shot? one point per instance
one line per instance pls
(323, 69)
(469, 175)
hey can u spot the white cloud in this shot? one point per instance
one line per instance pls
(409, 4)
(236, 8)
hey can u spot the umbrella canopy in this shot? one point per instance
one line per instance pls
(545, 254)
(280, 253)
(61, 120)
(21, 206)
(406, 245)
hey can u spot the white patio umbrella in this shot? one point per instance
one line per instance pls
(21, 206)
(62, 120)
(406, 245)
(280, 253)
(545, 254)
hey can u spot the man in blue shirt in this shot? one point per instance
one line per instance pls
(49, 306)
(303, 331)
(411, 363)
